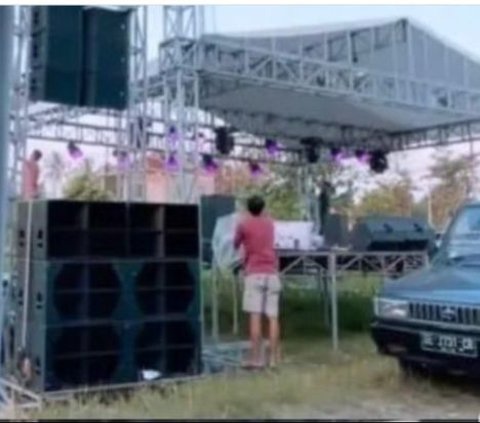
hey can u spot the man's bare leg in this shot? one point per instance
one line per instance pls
(274, 338)
(255, 339)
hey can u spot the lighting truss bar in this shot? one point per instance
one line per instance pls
(106, 136)
(231, 58)
(232, 157)
(439, 135)
(289, 128)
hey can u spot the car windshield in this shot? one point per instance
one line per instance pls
(463, 241)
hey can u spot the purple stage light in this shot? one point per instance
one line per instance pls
(362, 156)
(208, 164)
(123, 161)
(337, 155)
(172, 136)
(255, 169)
(172, 164)
(271, 146)
(73, 150)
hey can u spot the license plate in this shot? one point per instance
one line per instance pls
(449, 344)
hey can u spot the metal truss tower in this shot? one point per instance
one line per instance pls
(179, 68)
(129, 129)
(20, 104)
(27, 120)
(137, 112)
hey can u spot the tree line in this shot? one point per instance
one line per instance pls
(446, 185)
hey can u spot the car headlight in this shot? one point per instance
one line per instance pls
(390, 309)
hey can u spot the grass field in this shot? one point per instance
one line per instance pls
(313, 382)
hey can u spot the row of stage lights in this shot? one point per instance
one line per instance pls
(225, 143)
(376, 159)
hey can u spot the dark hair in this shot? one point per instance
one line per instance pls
(37, 154)
(255, 205)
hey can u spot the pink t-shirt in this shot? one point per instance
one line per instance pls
(256, 234)
(31, 173)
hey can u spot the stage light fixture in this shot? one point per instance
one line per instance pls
(208, 164)
(337, 155)
(271, 146)
(362, 156)
(172, 164)
(378, 161)
(224, 141)
(123, 161)
(255, 168)
(172, 136)
(311, 149)
(74, 151)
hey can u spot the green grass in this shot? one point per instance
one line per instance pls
(303, 311)
(308, 368)
(313, 382)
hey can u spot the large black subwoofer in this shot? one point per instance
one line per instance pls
(115, 305)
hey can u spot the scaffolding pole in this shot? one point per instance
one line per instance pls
(6, 58)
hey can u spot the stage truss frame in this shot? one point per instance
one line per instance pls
(186, 53)
(171, 97)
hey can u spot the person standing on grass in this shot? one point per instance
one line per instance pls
(255, 232)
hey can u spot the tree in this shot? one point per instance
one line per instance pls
(279, 188)
(347, 180)
(86, 186)
(421, 209)
(452, 177)
(393, 197)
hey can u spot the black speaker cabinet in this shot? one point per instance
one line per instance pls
(89, 355)
(106, 76)
(56, 54)
(335, 230)
(391, 233)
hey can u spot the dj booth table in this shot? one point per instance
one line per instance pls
(325, 266)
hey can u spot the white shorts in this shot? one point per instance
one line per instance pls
(262, 294)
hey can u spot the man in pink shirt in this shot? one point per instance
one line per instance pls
(262, 284)
(30, 176)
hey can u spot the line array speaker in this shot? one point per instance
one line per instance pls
(80, 56)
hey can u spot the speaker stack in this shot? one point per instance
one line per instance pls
(109, 291)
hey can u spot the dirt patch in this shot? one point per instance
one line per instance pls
(382, 409)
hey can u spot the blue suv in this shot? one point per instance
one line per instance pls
(430, 319)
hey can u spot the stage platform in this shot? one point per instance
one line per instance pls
(327, 269)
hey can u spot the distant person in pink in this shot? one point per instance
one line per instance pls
(255, 233)
(31, 176)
